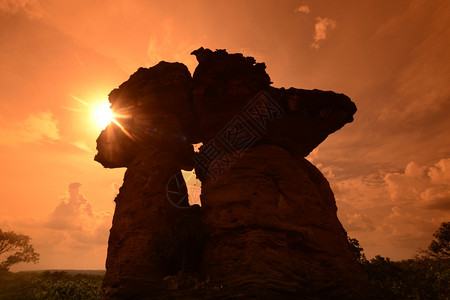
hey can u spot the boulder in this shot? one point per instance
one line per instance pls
(274, 232)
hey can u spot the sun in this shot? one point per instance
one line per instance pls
(102, 114)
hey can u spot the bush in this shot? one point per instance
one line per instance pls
(419, 278)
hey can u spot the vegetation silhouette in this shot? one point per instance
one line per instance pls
(15, 248)
(426, 276)
(440, 247)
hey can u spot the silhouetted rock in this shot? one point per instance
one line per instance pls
(152, 108)
(152, 137)
(309, 117)
(142, 212)
(267, 228)
(275, 233)
(233, 92)
(271, 214)
(222, 84)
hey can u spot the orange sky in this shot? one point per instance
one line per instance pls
(390, 169)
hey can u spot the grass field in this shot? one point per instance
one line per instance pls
(67, 284)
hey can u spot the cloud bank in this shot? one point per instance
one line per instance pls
(395, 210)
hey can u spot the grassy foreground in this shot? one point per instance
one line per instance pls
(50, 285)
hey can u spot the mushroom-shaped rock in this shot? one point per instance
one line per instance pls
(232, 93)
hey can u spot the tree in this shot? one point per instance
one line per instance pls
(357, 250)
(15, 248)
(440, 247)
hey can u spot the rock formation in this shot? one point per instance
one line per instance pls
(152, 137)
(267, 228)
(274, 231)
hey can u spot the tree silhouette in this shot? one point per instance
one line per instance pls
(440, 247)
(15, 248)
(357, 250)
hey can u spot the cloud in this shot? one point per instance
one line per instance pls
(69, 212)
(323, 25)
(74, 235)
(409, 227)
(393, 213)
(36, 128)
(436, 198)
(82, 146)
(422, 186)
(359, 222)
(361, 192)
(440, 172)
(75, 216)
(303, 9)
(418, 40)
(30, 7)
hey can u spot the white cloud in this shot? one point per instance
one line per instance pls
(303, 9)
(36, 128)
(322, 27)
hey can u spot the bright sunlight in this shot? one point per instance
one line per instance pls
(102, 114)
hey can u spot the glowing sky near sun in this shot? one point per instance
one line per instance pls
(389, 169)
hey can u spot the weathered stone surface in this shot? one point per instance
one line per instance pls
(226, 86)
(114, 148)
(222, 84)
(268, 227)
(152, 107)
(142, 211)
(152, 137)
(275, 233)
(309, 117)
